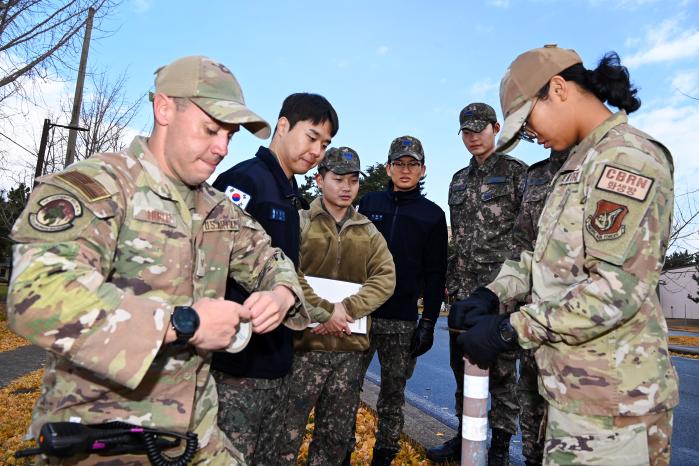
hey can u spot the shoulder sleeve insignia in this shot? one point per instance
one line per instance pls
(84, 184)
(56, 213)
(607, 221)
(237, 197)
(625, 183)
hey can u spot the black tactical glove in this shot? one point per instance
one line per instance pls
(423, 336)
(489, 336)
(479, 303)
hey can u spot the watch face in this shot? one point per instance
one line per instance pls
(185, 320)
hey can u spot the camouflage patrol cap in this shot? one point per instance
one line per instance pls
(522, 81)
(213, 88)
(406, 145)
(341, 160)
(476, 116)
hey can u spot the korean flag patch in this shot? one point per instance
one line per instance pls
(237, 197)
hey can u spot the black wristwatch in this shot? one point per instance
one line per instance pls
(507, 332)
(185, 321)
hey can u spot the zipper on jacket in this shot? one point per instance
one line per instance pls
(393, 224)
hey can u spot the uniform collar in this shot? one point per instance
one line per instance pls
(487, 166)
(579, 152)
(317, 208)
(403, 196)
(289, 188)
(206, 197)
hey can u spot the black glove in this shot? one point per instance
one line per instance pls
(479, 303)
(491, 335)
(423, 336)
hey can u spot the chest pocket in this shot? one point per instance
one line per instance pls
(457, 194)
(495, 188)
(154, 251)
(550, 217)
(211, 270)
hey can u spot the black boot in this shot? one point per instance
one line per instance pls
(383, 457)
(347, 460)
(499, 451)
(448, 451)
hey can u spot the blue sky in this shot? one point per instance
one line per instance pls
(408, 67)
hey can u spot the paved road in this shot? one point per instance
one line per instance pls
(431, 389)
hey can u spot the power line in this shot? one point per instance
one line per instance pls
(16, 143)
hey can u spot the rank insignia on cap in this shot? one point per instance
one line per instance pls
(237, 197)
(406, 142)
(57, 213)
(606, 222)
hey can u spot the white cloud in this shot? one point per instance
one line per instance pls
(141, 6)
(381, 51)
(685, 83)
(483, 88)
(667, 42)
(675, 126)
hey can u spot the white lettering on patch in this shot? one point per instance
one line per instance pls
(625, 183)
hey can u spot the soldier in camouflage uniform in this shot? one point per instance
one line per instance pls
(532, 406)
(484, 200)
(114, 246)
(595, 320)
(337, 243)
(415, 229)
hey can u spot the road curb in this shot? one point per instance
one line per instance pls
(419, 427)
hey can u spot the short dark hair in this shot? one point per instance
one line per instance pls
(315, 108)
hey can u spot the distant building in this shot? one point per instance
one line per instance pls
(675, 285)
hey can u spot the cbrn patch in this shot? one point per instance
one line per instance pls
(57, 213)
(626, 183)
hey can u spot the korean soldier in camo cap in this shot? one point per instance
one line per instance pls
(595, 320)
(484, 200)
(337, 243)
(121, 262)
(415, 230)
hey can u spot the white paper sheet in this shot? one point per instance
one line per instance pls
(335, 291)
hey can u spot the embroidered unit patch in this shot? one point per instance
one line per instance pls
(57, 213)
(607, 221)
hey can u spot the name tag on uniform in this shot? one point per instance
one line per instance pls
(376, 217)
(220, 225)
(571, 178)
(536, 181)
(237, 197)
(277, 214)
(624, 182)
(496, 180)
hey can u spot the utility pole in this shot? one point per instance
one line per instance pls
(42, 150)
(41, 156)
(77, 100)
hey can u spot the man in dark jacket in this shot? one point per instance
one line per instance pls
(416, 232)
(251, 384)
